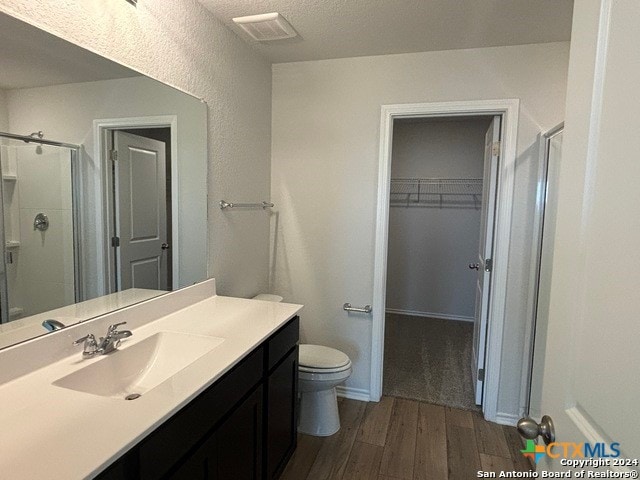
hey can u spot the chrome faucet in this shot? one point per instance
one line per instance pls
(107, 344)
(111, 341)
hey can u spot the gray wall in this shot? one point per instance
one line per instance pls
(184, 45)
(4, 114)
(326, 140)
(430, 246)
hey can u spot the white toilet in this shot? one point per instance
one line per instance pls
(320, 370)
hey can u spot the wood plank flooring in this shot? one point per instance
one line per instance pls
(398, 439)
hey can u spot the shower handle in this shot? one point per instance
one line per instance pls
(41, 222)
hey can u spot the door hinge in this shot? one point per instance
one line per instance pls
(488, 265)
(115, 241)
(495, 149)
(113, 155)
(481, 374)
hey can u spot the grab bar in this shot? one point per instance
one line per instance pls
(263, 205)
(366, 309)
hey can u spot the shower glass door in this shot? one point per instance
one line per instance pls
(39, 271)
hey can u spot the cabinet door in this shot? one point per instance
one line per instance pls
(281, 411)
(199, 466)
(233, 451)
(239, 441)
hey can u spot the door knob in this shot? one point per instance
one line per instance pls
(165, 246)
(474, 266)
(529, 429)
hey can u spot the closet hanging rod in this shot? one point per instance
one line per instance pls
(264, 205)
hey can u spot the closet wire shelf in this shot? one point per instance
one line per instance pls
(436, 192)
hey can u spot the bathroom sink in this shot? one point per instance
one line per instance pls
(136, 369)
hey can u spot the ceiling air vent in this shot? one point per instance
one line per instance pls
(265, 27)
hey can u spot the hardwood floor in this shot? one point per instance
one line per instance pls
(398, 439)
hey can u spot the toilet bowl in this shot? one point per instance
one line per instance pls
(320, 370)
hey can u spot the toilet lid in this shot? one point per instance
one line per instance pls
(320, 357)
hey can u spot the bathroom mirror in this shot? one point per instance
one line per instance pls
(103, 184)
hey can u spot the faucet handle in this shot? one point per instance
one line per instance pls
(90, 345)
(88, 339)
(114, 327)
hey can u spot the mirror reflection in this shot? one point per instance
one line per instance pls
(103, 185)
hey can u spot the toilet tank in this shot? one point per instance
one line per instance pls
(268, 297)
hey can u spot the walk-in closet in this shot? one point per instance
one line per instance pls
(436, 198)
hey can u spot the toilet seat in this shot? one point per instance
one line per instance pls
(321, 359)
(324, 371)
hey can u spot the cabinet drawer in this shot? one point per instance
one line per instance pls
(282, 341)
(174, 439)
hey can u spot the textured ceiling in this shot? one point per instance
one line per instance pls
(30, 57)
(351, 28)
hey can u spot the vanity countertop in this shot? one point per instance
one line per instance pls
(53, 432)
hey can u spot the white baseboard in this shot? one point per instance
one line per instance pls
(507, 419)
(441, 316)
(353, 393)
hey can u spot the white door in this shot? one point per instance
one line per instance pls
(589, 383)
(485, 253)
(141, 212)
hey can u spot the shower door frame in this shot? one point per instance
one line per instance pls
(75, 151)
(536, 262)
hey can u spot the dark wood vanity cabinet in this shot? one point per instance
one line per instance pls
(232, 450)
(243, 427)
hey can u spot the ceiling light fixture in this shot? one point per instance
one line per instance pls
(265, 27)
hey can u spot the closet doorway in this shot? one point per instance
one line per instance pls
(442, 199)
(493, 312)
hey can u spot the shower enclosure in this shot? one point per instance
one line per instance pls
(40, 229)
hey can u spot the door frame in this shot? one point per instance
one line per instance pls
(104, 227)
(509, 110)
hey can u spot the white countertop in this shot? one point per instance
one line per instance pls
(48, 431)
